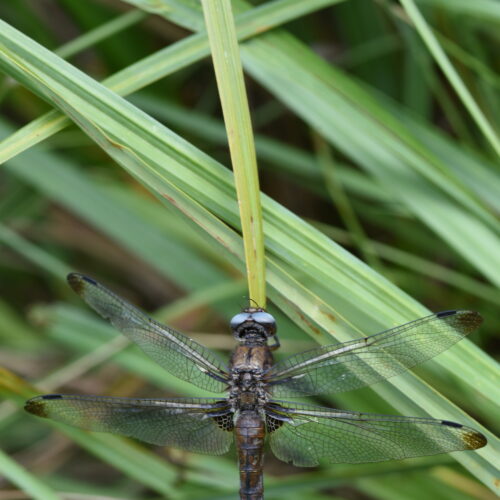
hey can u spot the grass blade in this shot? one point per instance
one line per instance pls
(229, 75)
(450, 72)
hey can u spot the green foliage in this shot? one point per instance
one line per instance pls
(355, 125)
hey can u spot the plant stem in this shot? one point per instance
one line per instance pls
(229, 74)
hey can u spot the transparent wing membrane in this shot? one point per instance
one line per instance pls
(302, 434)
(350, 365)
(181, 356)
(307, 435)
(199, 425)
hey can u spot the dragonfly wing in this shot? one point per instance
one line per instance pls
(198, 425)
(350, 365)
(180, 355)
(308, 435)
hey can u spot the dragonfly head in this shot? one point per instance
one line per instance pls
(253, 325)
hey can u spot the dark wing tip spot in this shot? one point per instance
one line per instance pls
(443, 314)
(451, 424)
(36, 407)
(474, 440)
(473, 318)
(469, 320)
(77, 281)
(466, 321)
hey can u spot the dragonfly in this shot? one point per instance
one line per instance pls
(252, 409)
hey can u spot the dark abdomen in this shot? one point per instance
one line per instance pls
(250, 432)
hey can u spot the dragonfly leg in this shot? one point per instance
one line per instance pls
(276, 344)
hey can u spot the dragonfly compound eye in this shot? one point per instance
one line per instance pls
(239, 319)
(266, 320)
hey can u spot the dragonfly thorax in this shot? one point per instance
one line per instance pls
(249, 364)
(247, 390)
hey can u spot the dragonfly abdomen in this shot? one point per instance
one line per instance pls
(250, 433)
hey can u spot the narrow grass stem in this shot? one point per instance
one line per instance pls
(229, 74)
(451, 74)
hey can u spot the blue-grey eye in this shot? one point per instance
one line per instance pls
(239, 319)
(263, 318)
(266, 320)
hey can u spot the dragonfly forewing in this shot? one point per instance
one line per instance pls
(180, 355)
(358, 363)
(199, 425)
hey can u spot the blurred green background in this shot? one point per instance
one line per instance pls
(388, 157)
